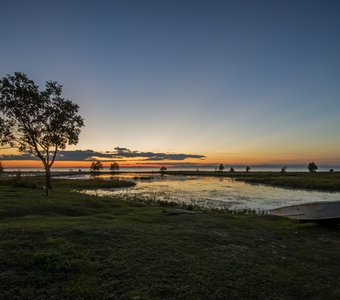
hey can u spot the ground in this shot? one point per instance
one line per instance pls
(73, 246)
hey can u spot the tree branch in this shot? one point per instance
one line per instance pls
(54, 156)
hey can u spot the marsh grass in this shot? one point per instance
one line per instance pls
(75, 246)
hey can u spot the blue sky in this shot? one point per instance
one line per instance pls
(243, 81)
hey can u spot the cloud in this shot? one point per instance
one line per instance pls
(127, 153)
(63, 155)
(73, 155)
(117, 154)
(24, 156)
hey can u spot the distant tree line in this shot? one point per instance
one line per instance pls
(231, 170)
(312, 167)
(114, 167)
(96, 166)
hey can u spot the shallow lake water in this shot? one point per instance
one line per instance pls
(211, 192)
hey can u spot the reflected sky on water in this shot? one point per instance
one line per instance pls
(212, 192)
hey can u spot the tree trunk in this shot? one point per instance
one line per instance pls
(48, 179)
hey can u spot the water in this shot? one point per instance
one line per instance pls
(211, 192)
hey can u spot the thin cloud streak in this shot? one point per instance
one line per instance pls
(127, 153)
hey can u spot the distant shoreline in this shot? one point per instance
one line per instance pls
(209, 168)
(318, 181)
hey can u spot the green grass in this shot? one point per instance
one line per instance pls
(321, 181)
(73, 246)
(39, 182)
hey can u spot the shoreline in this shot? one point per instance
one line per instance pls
(318, 181)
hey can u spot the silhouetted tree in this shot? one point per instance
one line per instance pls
(312, 167)
(232, 170)
(96, 166)
(331, 170)
(114, 167)
(221, 167)
(284, 169)
(37, 122)
(248, 169)
(162, 169)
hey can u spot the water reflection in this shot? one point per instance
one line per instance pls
(210, 192)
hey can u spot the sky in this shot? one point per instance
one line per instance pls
(233, 82)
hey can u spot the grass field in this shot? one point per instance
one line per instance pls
(73, 246)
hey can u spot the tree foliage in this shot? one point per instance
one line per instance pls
(221, 167)
(96, 166)
(114, 167)
(312, 167)
(37, 122)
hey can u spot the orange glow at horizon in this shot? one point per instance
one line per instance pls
(214, 159)
(75, 164)
(57, 164)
